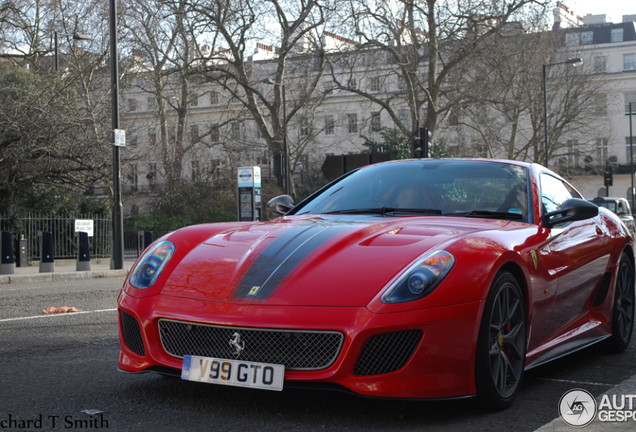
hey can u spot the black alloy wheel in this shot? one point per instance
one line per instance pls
(623, 309)
(501, 347)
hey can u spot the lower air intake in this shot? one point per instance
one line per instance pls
(132, 334)
(387, 352)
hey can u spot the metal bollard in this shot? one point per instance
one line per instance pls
(83, 252)
(7, 263)
(47, 263)
(23, 257)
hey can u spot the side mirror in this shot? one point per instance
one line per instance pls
(280, 205)
(573, 209)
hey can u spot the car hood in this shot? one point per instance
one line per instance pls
(312, 261)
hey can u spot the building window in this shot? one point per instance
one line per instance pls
(194, 133)
(352, 122)
(401, 82)
(151, 103)
(352, 84)
(152, 175)
(214, 134)
(152, 136)
(376, 123)
(587, 38)
(629, 61)
(453, 118)
(572, 39)
(628, 149)
(600, 105)
(214, 98)
(132, 105)
(235, 131)
(305, 128)
(134, 178)
(258, 134)
(196, 172)
(327, 88)
(194, 100)
(630, 98)
(405, 117)
(617, 35)
(600, 64)
(601, 151)
(574, 154)
(132, 140)
(374, 84)
(329, 125)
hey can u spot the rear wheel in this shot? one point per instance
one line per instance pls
(623, 309)
(501, 346)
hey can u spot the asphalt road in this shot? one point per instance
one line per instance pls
(57, 367)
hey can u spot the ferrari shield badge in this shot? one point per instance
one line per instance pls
(255, 289)
(534, 259)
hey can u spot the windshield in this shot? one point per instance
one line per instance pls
(447, 187)
(607, 205)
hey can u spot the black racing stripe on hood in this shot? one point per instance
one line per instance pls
(279, 259)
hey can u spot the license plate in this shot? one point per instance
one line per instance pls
(233, 372)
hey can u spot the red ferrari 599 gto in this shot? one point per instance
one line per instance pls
(408, 279)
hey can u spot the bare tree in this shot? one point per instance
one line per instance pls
(236, 28)
(421, 45)
(503, 112)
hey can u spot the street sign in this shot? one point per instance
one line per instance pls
(120, 137)
(84, 225)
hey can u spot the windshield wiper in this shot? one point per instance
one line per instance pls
(487, 214)
(386, 210)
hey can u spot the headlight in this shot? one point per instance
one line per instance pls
(421, 279)
(151, 264)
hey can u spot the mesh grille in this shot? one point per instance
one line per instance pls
(387, 352)
(296, 349)
(132, 334)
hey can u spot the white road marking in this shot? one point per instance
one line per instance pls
(576, 382)
(58, 314)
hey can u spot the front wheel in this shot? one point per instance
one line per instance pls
(501, 346)
(623, 309)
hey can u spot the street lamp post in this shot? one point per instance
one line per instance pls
(285, 161)
(574, 62)
(631, 152)
(76, 36)
(117, 261)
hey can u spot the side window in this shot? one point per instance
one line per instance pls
(554, 193)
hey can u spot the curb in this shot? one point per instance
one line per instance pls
(60, 277)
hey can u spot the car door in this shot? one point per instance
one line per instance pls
(577, 255)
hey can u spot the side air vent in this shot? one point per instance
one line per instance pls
(603, 289)
(387, 352)
(132, 334)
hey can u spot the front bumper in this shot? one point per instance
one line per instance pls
(441, 366)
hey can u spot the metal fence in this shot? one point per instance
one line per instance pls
(62, 227)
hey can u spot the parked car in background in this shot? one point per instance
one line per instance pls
(620, 206)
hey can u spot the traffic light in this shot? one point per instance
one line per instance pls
(608, 179)
(417, 147)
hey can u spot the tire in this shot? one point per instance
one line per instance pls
(501, 346)
(623, 308)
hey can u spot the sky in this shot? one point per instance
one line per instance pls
(614, 8)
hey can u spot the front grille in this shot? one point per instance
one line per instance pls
(132, 334)
(387, 352)
(296, 349)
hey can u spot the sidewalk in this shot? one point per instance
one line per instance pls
(65, 270)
